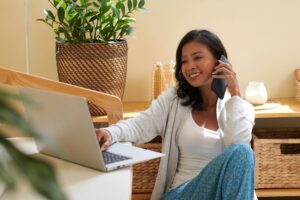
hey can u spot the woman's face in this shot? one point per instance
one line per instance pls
(197, 64)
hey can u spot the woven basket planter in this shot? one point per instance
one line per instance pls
(96, 66)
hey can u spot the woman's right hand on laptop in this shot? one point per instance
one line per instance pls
(104, 138)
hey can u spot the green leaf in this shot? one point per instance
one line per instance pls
(124, 22)
(40, 174)
(129, 5)
(104, 20)
(49, 14)
(105, 10)
(134, 4)
(115, 11)
(46, 22)
(96, 4)
(81, 15)
(118, 5)
(121, 34)
(11, 117)
(83, 2)
(59, 39)
(129, 30)
(105, 31)
(129, 19)
(61, 14)
(103, 4)
(59, 30)
(90, 14)
(126, 30)
(73, 19)
(93, 18)
(56, 31)
(63, 5)
(123, 9)
(56, 2)
(141, 3)
(6, 176)
(7, 96)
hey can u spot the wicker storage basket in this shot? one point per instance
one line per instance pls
(144, 174)
(96, 66)
(277, 158)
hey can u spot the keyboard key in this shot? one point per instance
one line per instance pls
(112, 158)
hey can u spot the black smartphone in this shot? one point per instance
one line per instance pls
(219, 85)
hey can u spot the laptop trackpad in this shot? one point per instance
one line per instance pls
(133, 152)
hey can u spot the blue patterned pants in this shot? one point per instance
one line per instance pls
(230, 176)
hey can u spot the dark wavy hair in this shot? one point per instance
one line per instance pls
(185, 91)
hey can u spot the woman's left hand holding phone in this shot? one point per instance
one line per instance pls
(229, 75)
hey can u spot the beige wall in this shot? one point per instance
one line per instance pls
(261, 37)
(12, 35)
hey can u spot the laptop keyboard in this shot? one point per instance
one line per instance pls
(111, 157)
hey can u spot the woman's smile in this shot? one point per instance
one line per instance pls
(194, 75)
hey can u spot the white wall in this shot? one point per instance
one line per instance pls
(261, 37)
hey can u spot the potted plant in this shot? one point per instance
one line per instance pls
(91, 49)
(14, 164)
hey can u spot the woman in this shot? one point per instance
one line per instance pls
(205, 139)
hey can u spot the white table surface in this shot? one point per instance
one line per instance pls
(78, 182)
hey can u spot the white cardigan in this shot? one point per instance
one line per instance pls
(166, 116)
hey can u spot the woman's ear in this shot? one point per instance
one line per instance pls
(216, 62)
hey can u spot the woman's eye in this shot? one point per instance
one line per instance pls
(183, 61)
(197, 58)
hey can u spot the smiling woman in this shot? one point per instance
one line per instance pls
(205, 137)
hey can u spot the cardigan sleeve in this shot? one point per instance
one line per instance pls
(147, 125)
(237, 121)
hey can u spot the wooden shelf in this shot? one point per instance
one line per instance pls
(259, 193)
(130, 109)
(278, 192)
(289, 107)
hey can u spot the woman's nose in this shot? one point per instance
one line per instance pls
(191, 65)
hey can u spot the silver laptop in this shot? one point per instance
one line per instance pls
(65, 120)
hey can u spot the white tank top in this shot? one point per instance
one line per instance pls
(197, 147)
